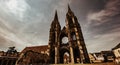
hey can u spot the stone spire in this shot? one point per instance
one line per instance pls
(56, 16)
(69, 10)
(70, 13)
(54, 39)
(55, 22)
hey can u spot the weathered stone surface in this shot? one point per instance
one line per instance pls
(75, 46)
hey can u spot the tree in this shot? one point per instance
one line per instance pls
(11, 51)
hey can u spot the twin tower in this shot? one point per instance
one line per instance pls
(67, 45)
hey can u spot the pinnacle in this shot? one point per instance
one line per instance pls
(69, 10)
(56, 19)
(56, 16)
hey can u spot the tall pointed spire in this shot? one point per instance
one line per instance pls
(69, 10)
(55, 25)
(70, 13)
(55, 22)
(56, 16)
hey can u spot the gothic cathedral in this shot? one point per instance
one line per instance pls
(67, 45)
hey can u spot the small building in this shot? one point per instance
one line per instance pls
(108, 56)
(34, 55)
(39, 49)
(101, 57)
(116, 51)
(1, 53)
(96, 57)
(92, 58)
(10, 57)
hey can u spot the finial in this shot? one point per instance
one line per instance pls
(69, 8)
(56, 16)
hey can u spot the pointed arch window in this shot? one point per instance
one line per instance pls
(66, 58)
(74, 37)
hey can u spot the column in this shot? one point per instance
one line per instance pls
(72, 56)
(79, 45)
(55, 55)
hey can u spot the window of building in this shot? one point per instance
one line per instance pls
(66, 57)
(65, 40)
(74, 37)
(119, 51)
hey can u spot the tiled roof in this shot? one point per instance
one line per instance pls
(36, 48)
(108, 53)
(118, 46)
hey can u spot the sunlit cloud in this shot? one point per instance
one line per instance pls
(17, 8)
(24, 23)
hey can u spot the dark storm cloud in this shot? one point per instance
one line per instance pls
(106, 19)
(104, 25)
(83, 7)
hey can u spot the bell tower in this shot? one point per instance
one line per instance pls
(67, 45)
(77, 45)
(54, 39)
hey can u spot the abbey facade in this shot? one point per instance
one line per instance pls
(67, 41)
(65, 45)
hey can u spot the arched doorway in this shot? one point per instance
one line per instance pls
(64, 55)
(66, 58)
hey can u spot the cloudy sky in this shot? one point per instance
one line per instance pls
(27, 22)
